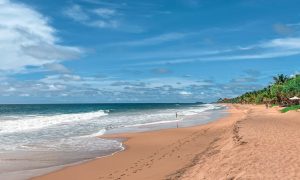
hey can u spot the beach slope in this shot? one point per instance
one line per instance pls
(251, 142)
(263, 145)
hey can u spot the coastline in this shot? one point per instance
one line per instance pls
(84, 146)
(252, 142)
(138, 152)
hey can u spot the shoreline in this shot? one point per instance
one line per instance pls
(192, 120)
(252, 142)
(128, 146)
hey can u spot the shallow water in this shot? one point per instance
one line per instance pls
(39, 138)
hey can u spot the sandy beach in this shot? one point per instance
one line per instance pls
(252, 142)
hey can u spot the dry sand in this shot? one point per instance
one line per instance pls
(263, 145)
(251, 143)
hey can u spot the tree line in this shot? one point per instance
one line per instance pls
(277, 93)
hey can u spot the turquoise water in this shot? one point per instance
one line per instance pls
(67, 133)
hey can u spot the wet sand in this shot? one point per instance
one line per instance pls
(251, 142)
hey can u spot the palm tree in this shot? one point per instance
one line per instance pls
(280, 79)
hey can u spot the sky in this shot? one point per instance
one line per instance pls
(120, 51)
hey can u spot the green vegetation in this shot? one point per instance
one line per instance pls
(294, 107)
(277, 93)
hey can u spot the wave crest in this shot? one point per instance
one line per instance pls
(30, 123)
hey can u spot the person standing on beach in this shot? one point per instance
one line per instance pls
(176, 118)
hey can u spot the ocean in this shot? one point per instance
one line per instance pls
(35, 139)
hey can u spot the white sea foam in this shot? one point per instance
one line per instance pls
(99, 133)
(64, 138)
(30, 123)
(66, 131)
(203, 108)
(167, 116)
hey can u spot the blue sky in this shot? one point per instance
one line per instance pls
(73, 51)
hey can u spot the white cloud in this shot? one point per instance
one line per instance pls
(264, 55)
(11, 89)
(76, 13)
(185, 93)
(56, 87)
(284, 43)
(26, 39)
(163, 38)
(274, 48)
(105, 16)
(57, 68)
(104, 12)
(78, 88)
(104, 24)
(115, 85)
(61, 79)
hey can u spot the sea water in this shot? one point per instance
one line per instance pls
(35, 139)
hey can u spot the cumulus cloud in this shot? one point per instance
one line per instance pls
(79, 89)
(27, 39)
